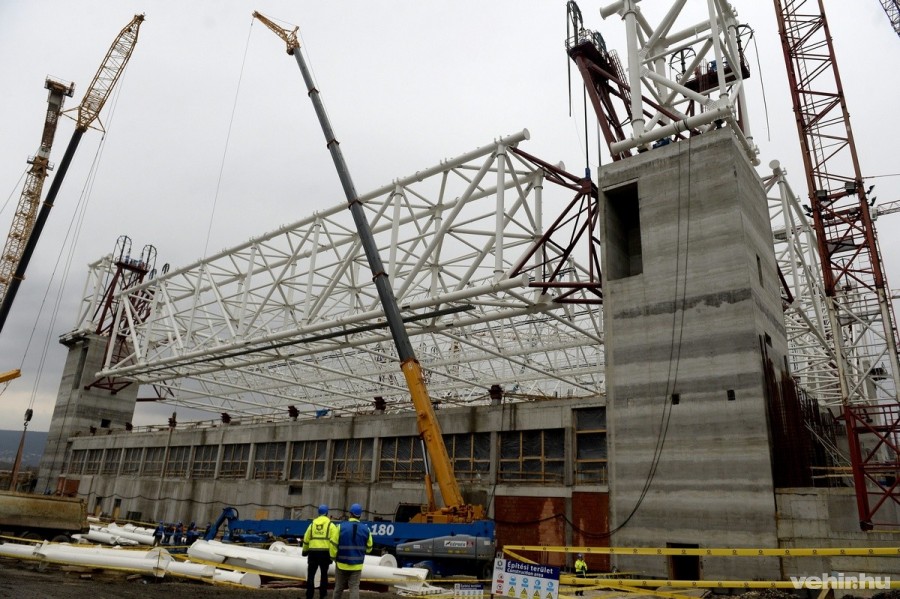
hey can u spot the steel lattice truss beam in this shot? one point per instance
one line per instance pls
(680, 79)
(805, 317)
(812, 351)
(892, 10)
(854, 285)
(292, 318)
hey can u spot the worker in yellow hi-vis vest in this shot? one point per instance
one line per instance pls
(316, 548)
(580, 571)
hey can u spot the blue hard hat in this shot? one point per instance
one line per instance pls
(323, 509)
(356, 510)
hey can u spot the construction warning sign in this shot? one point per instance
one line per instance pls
(520, 580)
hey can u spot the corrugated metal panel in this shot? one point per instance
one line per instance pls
(532, 521)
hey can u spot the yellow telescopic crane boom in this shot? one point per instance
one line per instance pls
(455, 510)
(99, 91)
(10, 375)
(23, 219)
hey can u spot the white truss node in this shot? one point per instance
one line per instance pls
(293, 318)
(682, 77)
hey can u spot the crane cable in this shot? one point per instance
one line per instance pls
(13, 191)
(237, 93)
(762, 82)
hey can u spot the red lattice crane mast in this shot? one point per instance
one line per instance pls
(860, 315)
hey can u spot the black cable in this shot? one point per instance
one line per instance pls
(762, 83)
(674, 356)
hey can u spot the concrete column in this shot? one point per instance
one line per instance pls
(78, 409)
(691, 309)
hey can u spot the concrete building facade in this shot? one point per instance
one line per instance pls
(544, 460)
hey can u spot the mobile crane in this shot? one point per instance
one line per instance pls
(87, 112)
(452, 539)
(455, 508)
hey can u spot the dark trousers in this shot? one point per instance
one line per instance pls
(580, 593)
(317, 560)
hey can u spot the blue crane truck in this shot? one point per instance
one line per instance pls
(444, 549)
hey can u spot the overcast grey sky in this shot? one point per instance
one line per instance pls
(406, 84)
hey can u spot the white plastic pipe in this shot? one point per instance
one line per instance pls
(285, 560)
(191, 569)
(134, 535)
(116, 552)
(72, 555)
(277, 563)
(98, 535)
(200, 550)
(369, 560)
(242, 578)
(16, 550)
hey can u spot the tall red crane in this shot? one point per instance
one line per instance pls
(859, 311)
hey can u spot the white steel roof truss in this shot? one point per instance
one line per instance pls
(806, 325)
(291, 317)
(649, 52)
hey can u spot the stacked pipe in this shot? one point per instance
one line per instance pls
(154, 562)
(283, 560)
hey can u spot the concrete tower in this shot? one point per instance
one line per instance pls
(81, 411)
(692, 314)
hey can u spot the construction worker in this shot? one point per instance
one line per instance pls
(159, 533)
(580, 572)
(316, 548)
(350, 542)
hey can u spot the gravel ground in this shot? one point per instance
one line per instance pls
(27, 580)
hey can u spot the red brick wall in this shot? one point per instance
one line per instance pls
(540, 521)
(590, 515)
(531, 521)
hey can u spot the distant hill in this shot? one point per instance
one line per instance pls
(31, 455)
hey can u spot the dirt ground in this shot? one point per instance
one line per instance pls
(29, 580)
(26, 580)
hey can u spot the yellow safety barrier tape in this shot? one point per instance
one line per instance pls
(518, 557)
(639, 585)
(633, 589)
(593, 584)
(719, 584)
(21, 540)
(720, 552)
